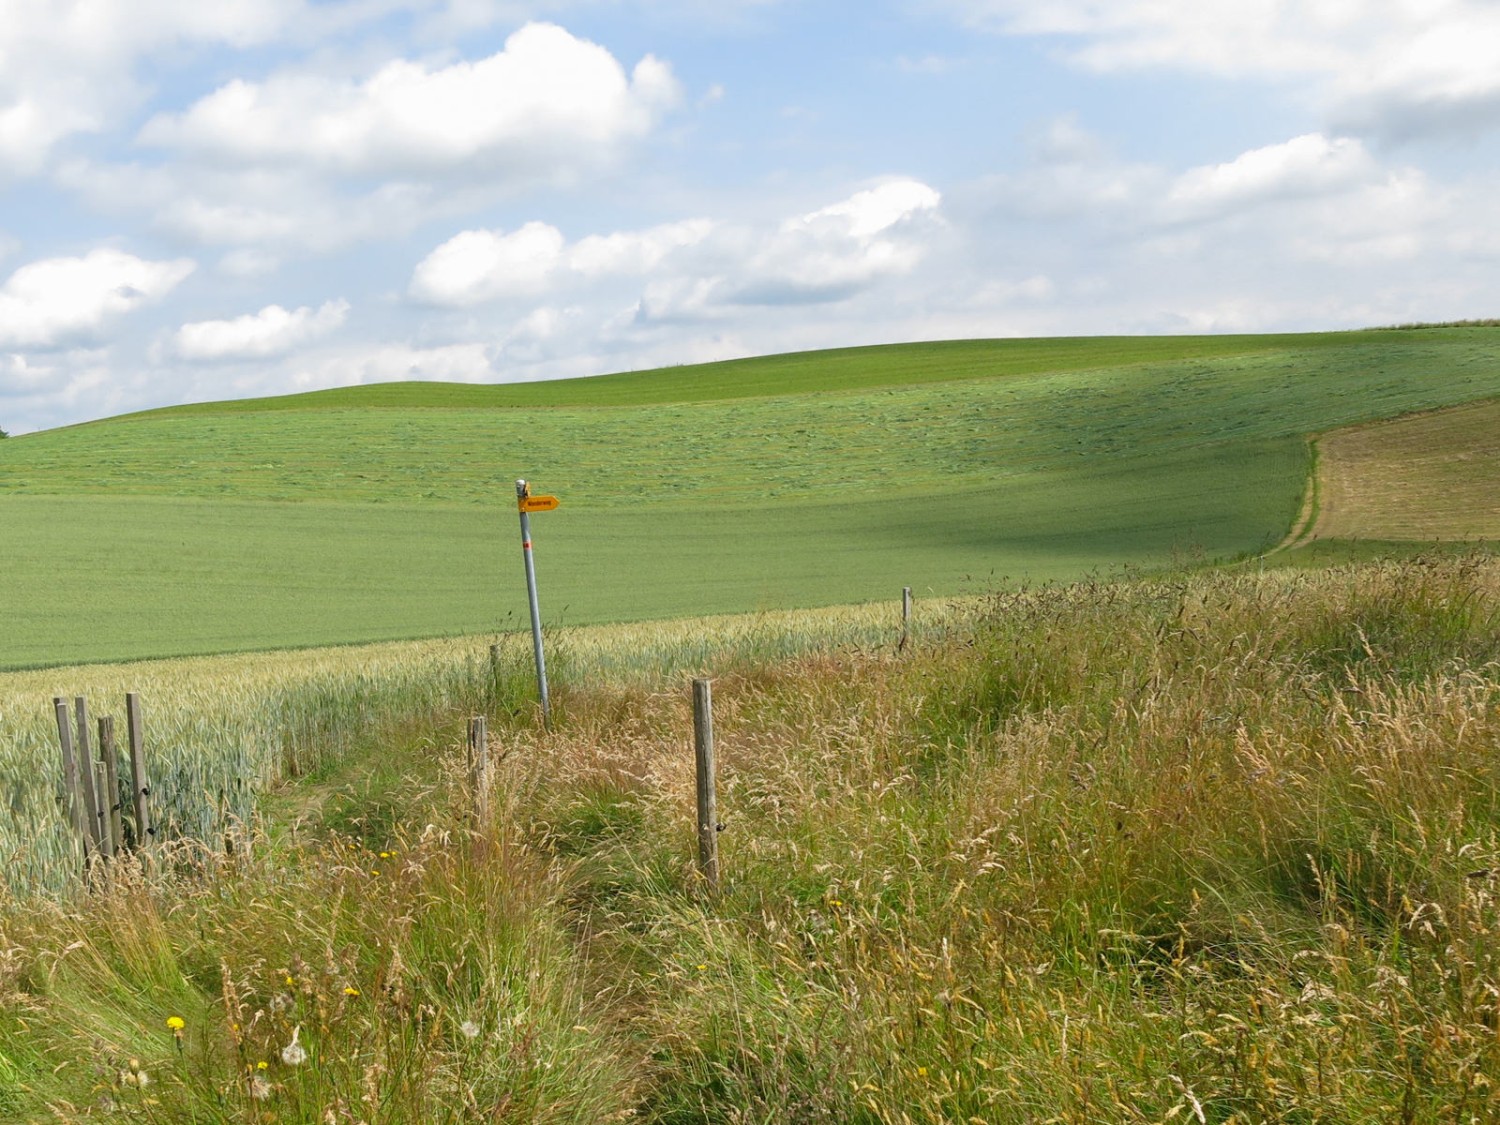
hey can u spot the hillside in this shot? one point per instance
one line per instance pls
(385, 512)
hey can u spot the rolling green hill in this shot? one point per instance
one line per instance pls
(382, 512)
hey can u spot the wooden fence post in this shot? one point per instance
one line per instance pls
(140, 787)
(72, 790)
(703, 753)
(479, 767)
(91, 802)
(905, 617)
(110, 757)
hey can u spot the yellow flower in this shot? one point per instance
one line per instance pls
(921, 1072)
(262, 1065)
(375, 871)
(176, 1023)
(351, 991)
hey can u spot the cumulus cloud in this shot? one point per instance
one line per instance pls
(839, 249)
(546, 105)
(1389, 67)
(475, 266)
(688, 269)
(68, 67)
(1309, 165)
(60, 301)
(273, 331)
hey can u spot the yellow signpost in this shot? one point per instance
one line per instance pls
(526, 502)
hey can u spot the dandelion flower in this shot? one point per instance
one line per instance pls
(470, 1029)
(350, 990)
(262, 1065)
(176, 1023)
(294, 1054)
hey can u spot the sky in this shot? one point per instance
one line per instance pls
(204, 201)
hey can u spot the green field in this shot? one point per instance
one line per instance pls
(385, 512)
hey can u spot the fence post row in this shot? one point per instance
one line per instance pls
(92, 788)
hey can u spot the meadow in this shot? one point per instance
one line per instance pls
(384, 512)
(1200, 847)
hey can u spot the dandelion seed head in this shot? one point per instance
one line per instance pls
(294, 1054)
(469, 1028)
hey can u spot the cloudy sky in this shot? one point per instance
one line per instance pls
(244, 197)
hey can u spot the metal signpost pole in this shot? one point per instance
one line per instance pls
(523, 491)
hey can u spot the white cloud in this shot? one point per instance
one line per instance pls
(635, 252)
(1308, 165)
(544, 107)
(480, 265)
(1393, 67)
(837, 250)
(67, 66)
(57, 301)
(476, 266)
(689, 268)
(273, 331)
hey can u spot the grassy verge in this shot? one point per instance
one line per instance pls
(1216, 847)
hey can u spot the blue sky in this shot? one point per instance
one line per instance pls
(258, 196)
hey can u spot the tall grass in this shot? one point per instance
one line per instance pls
(221, 730)
(1219, 848)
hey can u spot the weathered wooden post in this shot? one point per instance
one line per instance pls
(72, 790)
(110, 757)
(479, 767)
(91, 802)
(905, 617)
(703, 753)
(140, 787)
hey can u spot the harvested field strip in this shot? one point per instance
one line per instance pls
(1429, 476)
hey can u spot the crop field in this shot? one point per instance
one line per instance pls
(385, 512)
(222, 730)
(1432, 476)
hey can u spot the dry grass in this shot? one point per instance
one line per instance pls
(1217, 849)
(1429, 476)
